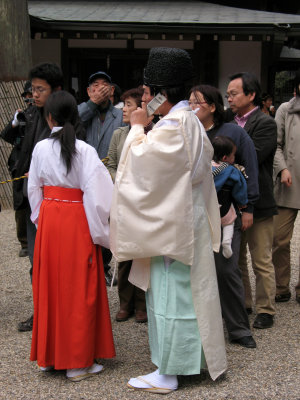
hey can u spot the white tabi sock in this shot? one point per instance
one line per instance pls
(155, 380)
(93, 369)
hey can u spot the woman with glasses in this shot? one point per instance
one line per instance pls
(207, 103)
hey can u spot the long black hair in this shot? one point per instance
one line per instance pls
(62, 107)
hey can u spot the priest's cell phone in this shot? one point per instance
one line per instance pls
(156, 102)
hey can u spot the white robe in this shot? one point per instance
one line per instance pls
(163, 188)
(87, 173)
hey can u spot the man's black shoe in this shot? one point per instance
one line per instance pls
(249, 310)
(263, 321)
(245, 341)
(108, 278)
(26, 326)
(281, 298)
(23, 252)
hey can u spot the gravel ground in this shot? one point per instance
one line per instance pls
(271, 371)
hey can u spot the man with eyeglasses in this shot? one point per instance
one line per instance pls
(45, 78)
(243, 95)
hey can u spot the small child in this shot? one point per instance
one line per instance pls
(230, 185)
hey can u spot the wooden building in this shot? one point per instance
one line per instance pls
(115, 36)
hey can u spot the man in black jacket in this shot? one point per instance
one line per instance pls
(19, 205)
(45, 78)
(243, 95)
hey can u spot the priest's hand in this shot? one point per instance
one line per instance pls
(140, 116)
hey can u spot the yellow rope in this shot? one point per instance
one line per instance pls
(15, 179)
(104, 160)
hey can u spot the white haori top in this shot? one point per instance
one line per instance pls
(87, 173)
(165, 204)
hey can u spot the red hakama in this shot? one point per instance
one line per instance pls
(71, 325)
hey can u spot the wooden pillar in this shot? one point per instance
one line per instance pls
(65, 63)
(206, 61)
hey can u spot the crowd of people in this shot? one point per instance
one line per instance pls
(175, 196)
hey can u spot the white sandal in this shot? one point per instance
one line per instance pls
(151, 388)
(154, 383)
(78, 374)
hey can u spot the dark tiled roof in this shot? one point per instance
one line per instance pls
(185, 12)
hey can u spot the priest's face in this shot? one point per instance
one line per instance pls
(147, 96)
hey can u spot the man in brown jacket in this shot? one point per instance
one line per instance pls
(286, 191)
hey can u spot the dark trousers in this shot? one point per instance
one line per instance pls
(231, 289)
(31, 232)
(106, 256)
(131, 297)
(21, 227)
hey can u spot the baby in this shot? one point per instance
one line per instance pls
(231, 188)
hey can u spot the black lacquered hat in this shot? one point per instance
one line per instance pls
(168, 67)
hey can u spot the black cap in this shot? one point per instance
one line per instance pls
(98, 75)
(168, 67)
(27, 89)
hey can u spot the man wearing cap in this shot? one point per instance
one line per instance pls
(100, 119)
(165, 217)
(98, 115)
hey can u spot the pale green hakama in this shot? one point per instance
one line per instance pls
(174, 337)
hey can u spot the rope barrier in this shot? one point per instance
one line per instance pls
(104, 160)
(14, 179)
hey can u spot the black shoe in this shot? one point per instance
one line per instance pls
(263, 321)
(245, 341)
(123, 315)
(108, 278)
(281, 298)
(26, 326)
(249, 310)
(23, 252)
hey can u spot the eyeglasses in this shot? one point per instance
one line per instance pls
(232, 95)
(196, 103)
(38, 89)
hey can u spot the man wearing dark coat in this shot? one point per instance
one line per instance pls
(45, 78)
(243, 95)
